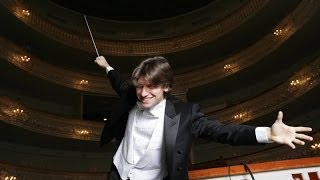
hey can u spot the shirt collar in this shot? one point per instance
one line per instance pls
(155, 110)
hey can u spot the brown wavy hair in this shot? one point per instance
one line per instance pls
(156, 70)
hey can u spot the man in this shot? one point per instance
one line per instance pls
(156, 129)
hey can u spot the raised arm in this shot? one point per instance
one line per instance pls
(119, 84)
(283, 134)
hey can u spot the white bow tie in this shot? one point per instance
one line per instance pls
(144, 110)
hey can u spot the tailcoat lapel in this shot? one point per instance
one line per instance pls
(171, 126)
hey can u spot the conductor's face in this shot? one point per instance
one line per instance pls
(148, 94)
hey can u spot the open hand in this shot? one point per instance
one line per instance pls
(289, 135)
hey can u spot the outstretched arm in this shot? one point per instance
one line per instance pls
(289, 135)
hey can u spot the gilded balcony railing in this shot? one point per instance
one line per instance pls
(136, 47)
(253, 54)
(300, 83)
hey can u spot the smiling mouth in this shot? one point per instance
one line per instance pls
(146, 99)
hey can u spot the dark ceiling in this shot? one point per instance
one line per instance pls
(127, 10)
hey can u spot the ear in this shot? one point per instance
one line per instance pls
(166, 89)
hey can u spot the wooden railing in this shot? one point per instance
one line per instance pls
(226, 172)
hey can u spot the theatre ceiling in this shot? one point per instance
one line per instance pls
(242, 61)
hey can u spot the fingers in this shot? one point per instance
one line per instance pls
(295, 141)
(298, 141)
(279, 117)
(101, 57)
(290, 144)
(101, 61)
(304, 137)
(303, 129)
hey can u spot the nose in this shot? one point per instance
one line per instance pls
(144, 91)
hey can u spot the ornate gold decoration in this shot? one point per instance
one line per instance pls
(139, 47)
(78, 129)
(46, 123)
(208, 74)
(274, 99)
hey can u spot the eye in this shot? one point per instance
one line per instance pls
(152, 86)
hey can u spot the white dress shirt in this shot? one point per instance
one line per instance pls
(141, 152)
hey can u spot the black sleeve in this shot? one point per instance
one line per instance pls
(234, 134)
(118, 83)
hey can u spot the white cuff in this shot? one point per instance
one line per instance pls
(261, 135)
(109, 68)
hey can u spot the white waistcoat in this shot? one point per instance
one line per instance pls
(151, 165)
